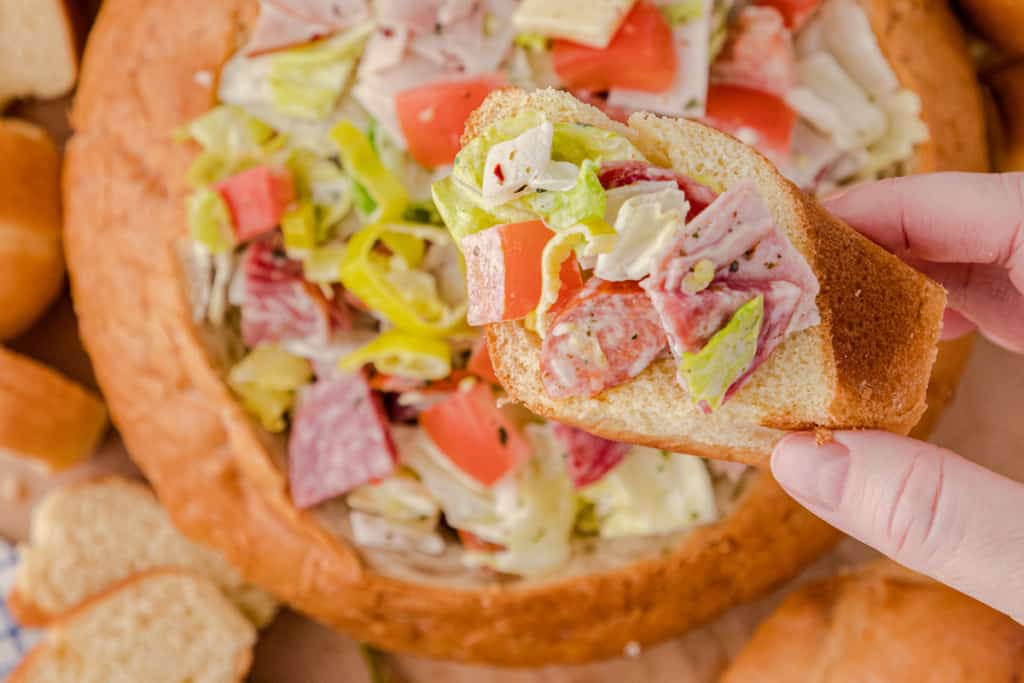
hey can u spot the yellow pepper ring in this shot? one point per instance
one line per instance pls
(398, 353)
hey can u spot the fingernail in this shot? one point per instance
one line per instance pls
(813, 473)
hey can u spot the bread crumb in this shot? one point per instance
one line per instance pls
(12, 489)
(632, 649)
(203, 78)
(823, 436)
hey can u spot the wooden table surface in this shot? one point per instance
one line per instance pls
(984, 423)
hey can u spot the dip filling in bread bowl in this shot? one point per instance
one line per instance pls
(325, 291)
(317, 256)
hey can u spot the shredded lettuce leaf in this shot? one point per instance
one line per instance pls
(323, 183)
(581, 203)
(231, 141)
(399, 498)
(650, 492)
(681, 12)
(209, 221)
(707, 374)
(645, 224)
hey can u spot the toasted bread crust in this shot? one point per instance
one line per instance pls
(213, 469)
(881, 623)
(999, 21)
(873, 350)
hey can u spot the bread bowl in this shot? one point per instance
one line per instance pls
(222, 477)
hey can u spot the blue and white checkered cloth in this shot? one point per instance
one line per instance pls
(15, 641)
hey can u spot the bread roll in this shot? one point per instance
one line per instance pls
(31, 261)
(38, 50)
(882, 623)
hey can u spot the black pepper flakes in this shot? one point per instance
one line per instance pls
(734, 266)
(502, 436)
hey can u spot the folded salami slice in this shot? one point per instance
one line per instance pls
(339, 440)
(620, 173)
(607, 333)
(279, 305)
(588, 457)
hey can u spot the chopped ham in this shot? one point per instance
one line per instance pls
(278, 305)
(604, 335)
(339, 440)
(621, 173)
(759, 53)
(289, 23)
(751, 256)
(587, 457)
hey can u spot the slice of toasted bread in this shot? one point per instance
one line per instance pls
(881, 623)
(88, 537)
(31, 259)
(38, 50)
(158, 627)
(866, 365)
(45, 416)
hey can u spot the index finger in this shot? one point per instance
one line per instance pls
(943, 217)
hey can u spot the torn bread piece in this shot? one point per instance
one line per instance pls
(776, 315)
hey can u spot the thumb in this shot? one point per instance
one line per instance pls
(922, 505)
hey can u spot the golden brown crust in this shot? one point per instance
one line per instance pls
(926, 47)
(31, 259)
(999, 21)
(210, 466)
(866, 366)
(1007, 84)
(882, 623)
(44, 416)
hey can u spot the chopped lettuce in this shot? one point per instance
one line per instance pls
(576, 142)
(306, 82)
(534, 42)
(707, 374)
(209, 221)
(589, 240)
(322, 264)
(266, 381)
(470, 161)
(583, 202)
(232, 141)
(681, 12)
(399, 498)
(650, 492)
(323, 183)
(645, 224)
(398, 353)
(905, 130)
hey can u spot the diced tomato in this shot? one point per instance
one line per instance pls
(257, 198)
(640, 56)
(759, 53)
(795, 12)
(480, 362)
(741, 111)
(471, 541)
(475, 435)
(432, 116)
(504, 271)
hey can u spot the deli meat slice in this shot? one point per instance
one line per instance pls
(621, 173)
(278, 305)
(588, 457)
(604, 335)
(288, 23)
(751, 256)
(759, 53)
(339, 440)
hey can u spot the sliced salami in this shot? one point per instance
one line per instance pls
(620, 173)
(604, 335)
(339, 440)
(588, 458)
(280, 306)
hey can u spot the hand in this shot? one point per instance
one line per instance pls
(922, 505)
